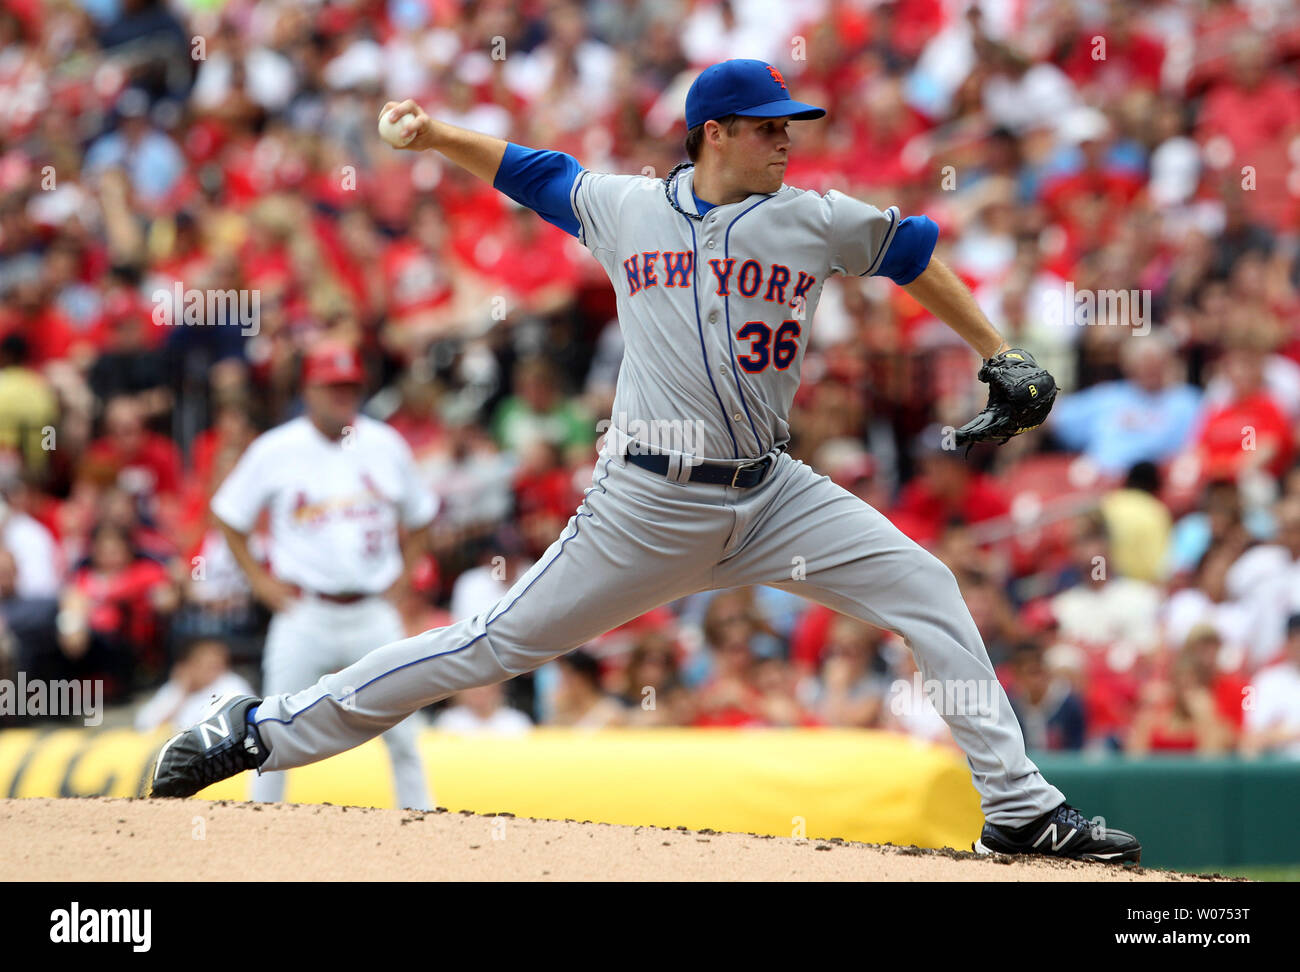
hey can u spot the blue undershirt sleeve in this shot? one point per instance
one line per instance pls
(541, 180)
(910, 250)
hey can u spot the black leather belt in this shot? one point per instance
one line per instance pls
(341, 598)
(349, 598)
(744, 476)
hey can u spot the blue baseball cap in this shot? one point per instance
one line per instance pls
(743, 87)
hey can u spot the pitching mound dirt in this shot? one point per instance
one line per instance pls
(194, 840)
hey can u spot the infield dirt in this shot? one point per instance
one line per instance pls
(101, 839)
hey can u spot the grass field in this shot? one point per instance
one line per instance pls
(1283, 872)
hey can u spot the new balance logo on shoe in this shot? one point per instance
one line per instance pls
(221, 728)
(1056, 846)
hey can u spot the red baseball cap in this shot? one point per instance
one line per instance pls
(333, 363)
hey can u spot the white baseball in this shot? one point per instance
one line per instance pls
(397, 133)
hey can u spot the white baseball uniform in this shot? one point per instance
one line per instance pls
(335, 508)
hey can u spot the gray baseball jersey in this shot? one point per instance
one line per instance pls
(715, 316)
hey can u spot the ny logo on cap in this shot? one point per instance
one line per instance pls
(776, 76)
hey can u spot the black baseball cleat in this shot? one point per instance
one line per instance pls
(1063, 832)
(222, 744)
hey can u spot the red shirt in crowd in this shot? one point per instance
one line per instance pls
(1229, 692)
(1167, 740)
(266, 268)
(119, 602)
(1110, 698)
(736, 714)
(1130, 62)
(524, 260)
(48, 333)
(1071, 200)
(421, 430)
(808, 639)
(153, 470)
(1250, 118)
(416, 279)
(550, 491)
(878, 159)
(346, 268)
(922, 514)
(1226, 433)
(1259, 123)
(203, 454)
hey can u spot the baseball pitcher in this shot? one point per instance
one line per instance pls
(718, 268)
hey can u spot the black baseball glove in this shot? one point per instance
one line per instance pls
(1020, 396)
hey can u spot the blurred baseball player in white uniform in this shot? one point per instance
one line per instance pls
(348, 515)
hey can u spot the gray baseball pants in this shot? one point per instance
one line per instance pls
(638, 541)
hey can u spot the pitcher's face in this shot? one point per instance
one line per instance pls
(755, 157)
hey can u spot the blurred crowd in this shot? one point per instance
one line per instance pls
(1134, 565)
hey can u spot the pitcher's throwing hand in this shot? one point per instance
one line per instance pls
(409, 116)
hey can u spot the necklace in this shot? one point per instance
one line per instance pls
(668, 190)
